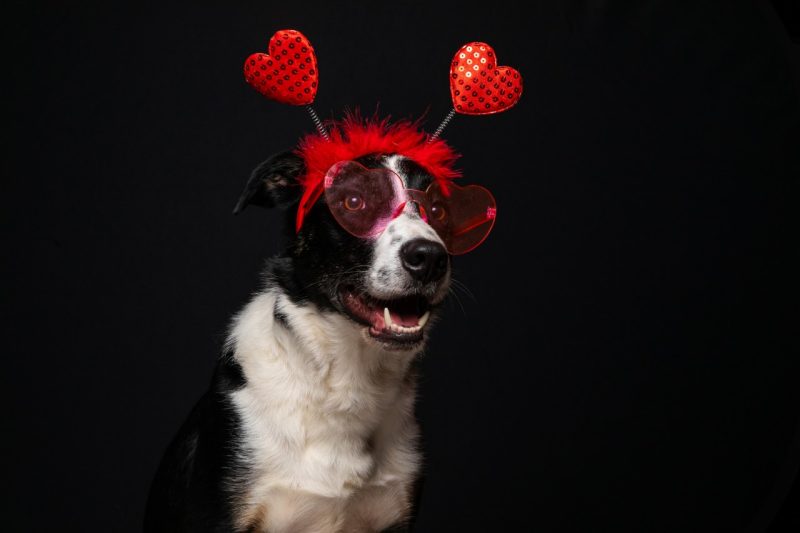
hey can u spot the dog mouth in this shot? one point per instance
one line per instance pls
(399, 321)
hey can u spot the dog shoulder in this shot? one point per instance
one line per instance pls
(201, 465)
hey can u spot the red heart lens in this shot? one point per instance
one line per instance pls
(364, 201)
(462, 217)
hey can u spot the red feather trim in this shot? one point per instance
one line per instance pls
(355, 137)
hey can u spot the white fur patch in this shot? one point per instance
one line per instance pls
(330, 438)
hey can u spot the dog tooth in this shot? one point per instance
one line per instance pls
(387, 317)
(424, 319)
(397, 328)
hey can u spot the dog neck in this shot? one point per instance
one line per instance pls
(285, 347)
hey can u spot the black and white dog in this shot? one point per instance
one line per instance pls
(308, 424)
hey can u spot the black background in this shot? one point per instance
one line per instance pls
(627, 355)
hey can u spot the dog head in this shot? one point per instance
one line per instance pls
(389, 284)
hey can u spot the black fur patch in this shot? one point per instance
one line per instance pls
(273, 183)
(416, 175)
(281, 318)
(191, 490)
(229, 376)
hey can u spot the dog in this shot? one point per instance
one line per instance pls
(308, 424)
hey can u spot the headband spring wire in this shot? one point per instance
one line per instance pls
(443, 125)
(318, 123)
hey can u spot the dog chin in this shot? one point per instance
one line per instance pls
(396, 324)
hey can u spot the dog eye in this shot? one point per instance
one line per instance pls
(438, 212)
(353, 203)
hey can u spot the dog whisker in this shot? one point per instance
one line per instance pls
(461, 286)
(451, 291)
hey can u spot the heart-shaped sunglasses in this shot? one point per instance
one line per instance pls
(365, 200)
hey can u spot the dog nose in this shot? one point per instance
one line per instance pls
(425, 260)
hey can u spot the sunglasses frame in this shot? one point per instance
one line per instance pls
(425, 201)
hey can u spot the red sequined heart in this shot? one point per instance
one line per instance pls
(288, 74)
(478, 86)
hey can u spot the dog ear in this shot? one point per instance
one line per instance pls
(273, 183)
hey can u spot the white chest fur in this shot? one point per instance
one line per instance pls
(329, 434)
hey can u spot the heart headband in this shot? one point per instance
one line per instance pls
(288, 73)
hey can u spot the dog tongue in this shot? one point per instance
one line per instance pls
(404, 318)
